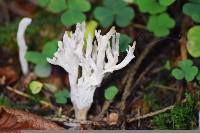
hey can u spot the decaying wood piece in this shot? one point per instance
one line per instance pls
(12, 119)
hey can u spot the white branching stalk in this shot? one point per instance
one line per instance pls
(22, 44)
(99, 59)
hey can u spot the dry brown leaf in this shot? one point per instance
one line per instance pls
(7, 75)
(13, 119)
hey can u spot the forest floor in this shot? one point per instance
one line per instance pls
(149, 96)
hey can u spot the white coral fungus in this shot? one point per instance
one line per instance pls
(22, 44)
(87, 67)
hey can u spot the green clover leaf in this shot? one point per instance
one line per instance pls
(186, 70)
(71, 17)
(56, 6)
(166, 2)
(124, 17)
(79, 5)
(190, 75)
(42, 68)
(193, 44)
(36, 57)
(42, 3)
(50, 48)
(40, 58)
(35, 87)
(62, 96)
(104, 16)
(150, 6)
(75, 12)
(185, 64)
(178, 73)
(160, 24)
(73, 9)
(195, 1)
(110, 93)
(114, 10)
(192, 9)
(124, 42)
(43, 71)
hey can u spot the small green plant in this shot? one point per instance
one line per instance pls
(182, 116)
(124, 42)
(42, 71)
(72, 10)
(62, 96)
(185, 70)
(110, 93)
(114, 10)
(160, 24)
(54, 6)
(159, 21)
(42, 68)
(192, 9)
(4, 101)
(166, 2)
(8, 31)
(35, 87)
(150, 6)
(193, 45)
(162, 121)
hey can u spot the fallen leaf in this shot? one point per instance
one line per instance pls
(7, 75)
(13, 119)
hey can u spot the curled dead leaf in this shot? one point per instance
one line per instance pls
(13, 119)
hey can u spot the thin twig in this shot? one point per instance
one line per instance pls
(183, 45)
(164, 87)
(139, 79)
(142, 75)
(153, 113)
(131, 73)
(139, 26)
(44, 103)
(105, 107)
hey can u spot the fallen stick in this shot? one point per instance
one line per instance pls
(129, 78)
(153, 113)
(42, 102)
